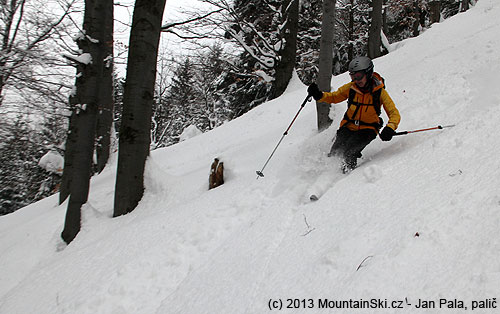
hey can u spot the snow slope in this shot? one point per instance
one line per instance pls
(419, 219)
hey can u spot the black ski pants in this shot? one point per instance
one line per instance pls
(349, 144)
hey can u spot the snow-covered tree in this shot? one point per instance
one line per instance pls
(181, 100)
(264, 31)
(14, 161)
(267, 32)
(308, 43)
(24, 143)
(211, 71)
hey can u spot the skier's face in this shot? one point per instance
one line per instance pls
(359, 78)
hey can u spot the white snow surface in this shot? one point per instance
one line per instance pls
(419, 218)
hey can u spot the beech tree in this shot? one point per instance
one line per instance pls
(374, 33)
(464, 5)
(91, 88)
(326, 61)
(105, 97)
(134, 142)
(435, 11)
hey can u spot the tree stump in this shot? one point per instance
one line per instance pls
(216, 174)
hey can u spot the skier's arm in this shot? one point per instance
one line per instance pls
(337, 96)
(390, 109)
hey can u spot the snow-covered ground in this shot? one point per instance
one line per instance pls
(418, 220)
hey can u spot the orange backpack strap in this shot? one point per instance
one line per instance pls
(376, 103)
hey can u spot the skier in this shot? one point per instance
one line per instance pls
(361, 122)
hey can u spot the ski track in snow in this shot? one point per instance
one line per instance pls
(419, 217)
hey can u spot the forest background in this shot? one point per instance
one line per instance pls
(216, 62)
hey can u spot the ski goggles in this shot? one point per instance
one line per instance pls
(357, 76)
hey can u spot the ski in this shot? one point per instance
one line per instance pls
(326, 181)
(322, 184)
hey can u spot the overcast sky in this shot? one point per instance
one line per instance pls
(123, 17)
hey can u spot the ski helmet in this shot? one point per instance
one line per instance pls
(363, 64)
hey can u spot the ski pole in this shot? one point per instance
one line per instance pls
(261, 173)
(439, 127)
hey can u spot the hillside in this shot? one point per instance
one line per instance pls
(418, 220)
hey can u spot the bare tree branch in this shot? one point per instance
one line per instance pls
(28, 46)
(195, 19)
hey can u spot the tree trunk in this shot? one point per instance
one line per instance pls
(326, 62)
(137, 104)
(464, 5)
(70, 146)
(81, 137)
(83, 142)
(288, 53)
(350, 35)
(374, 39)
(435, 11)
(416, 23)
(1, 84)
(105, 101)
(385, 27)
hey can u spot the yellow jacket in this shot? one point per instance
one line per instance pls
(366, 116)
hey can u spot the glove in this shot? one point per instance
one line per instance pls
(314, 91)
(387, 134)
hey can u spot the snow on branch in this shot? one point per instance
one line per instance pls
(52, 162)
(267, 60)
(84, 58)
